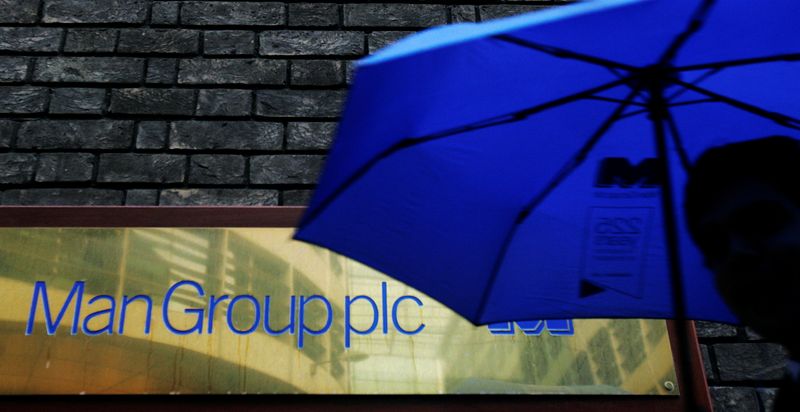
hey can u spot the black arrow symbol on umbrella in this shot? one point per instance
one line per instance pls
(588, 289)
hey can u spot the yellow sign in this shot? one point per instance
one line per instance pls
(167, 310)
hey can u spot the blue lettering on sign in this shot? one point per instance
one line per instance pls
(556, 327)
(201, 319)
(384, 314)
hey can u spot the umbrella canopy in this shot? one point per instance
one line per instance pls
(513, 169)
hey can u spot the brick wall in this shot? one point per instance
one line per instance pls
(743, 369)
(140, 102)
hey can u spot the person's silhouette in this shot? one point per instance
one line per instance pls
(742, 204)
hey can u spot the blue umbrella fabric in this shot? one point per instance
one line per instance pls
(513, 169)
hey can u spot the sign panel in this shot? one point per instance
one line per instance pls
(248, 310)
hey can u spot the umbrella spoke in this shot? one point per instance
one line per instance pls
(638, 93)
(586, 94)
(565, 171)
(696, 81)
(779, 118)
(695, 24)
(566, 54)
(609, 99)
(791, 57)
(686, 103)
(691, 102)
(633, 113)
(456, 131)
(615, 72)
(578, 158)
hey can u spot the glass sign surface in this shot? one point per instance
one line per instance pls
(195, 310)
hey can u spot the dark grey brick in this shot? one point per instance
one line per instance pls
(349, 71)
(30, 39)
(714, 329)
(141, 197)
(313, 14)
(16, 167)
(177, 41)
(152, 101)
(381, 39)
(89, 69)
(506, 10)
(13, 69)
(77, 101)
(152, 135)
(95, 11)
(297, 197)
(90, 40)
(301, 103)
(75, 134)
(219, 13)
(310, 135)
(199, 135)
(162, 71)
(727, 399)
(217, 169)
(707, 365)
(141, 168)
(394, 15)
(22, 99)
(317, 73)
(219, 197)
(752, 334)
(8, 128)
(767, 397)
(462, 14)
(229, 42)
(19, 11)
(234, 71)
(306, 42)
(750, 361)
(65, 167)
(164, 13)
(64, 197)
(285, 169)
(224, 102)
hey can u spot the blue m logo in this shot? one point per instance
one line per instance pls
(560, 327)
(620, 172)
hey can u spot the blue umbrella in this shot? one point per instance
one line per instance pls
(532, 167)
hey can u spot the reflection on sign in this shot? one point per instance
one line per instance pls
(371, 343)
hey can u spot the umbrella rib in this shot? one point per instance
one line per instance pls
(790, 57)
(412, 141)
(519, 115)
(633, 113)
(566, 54)
(686, 103)
(695, 24)
(615, 72)
(609, 99)
(695, 82)
(779, 118)
(676, 138)
(565, 171)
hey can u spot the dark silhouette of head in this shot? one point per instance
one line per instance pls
(742, 204)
